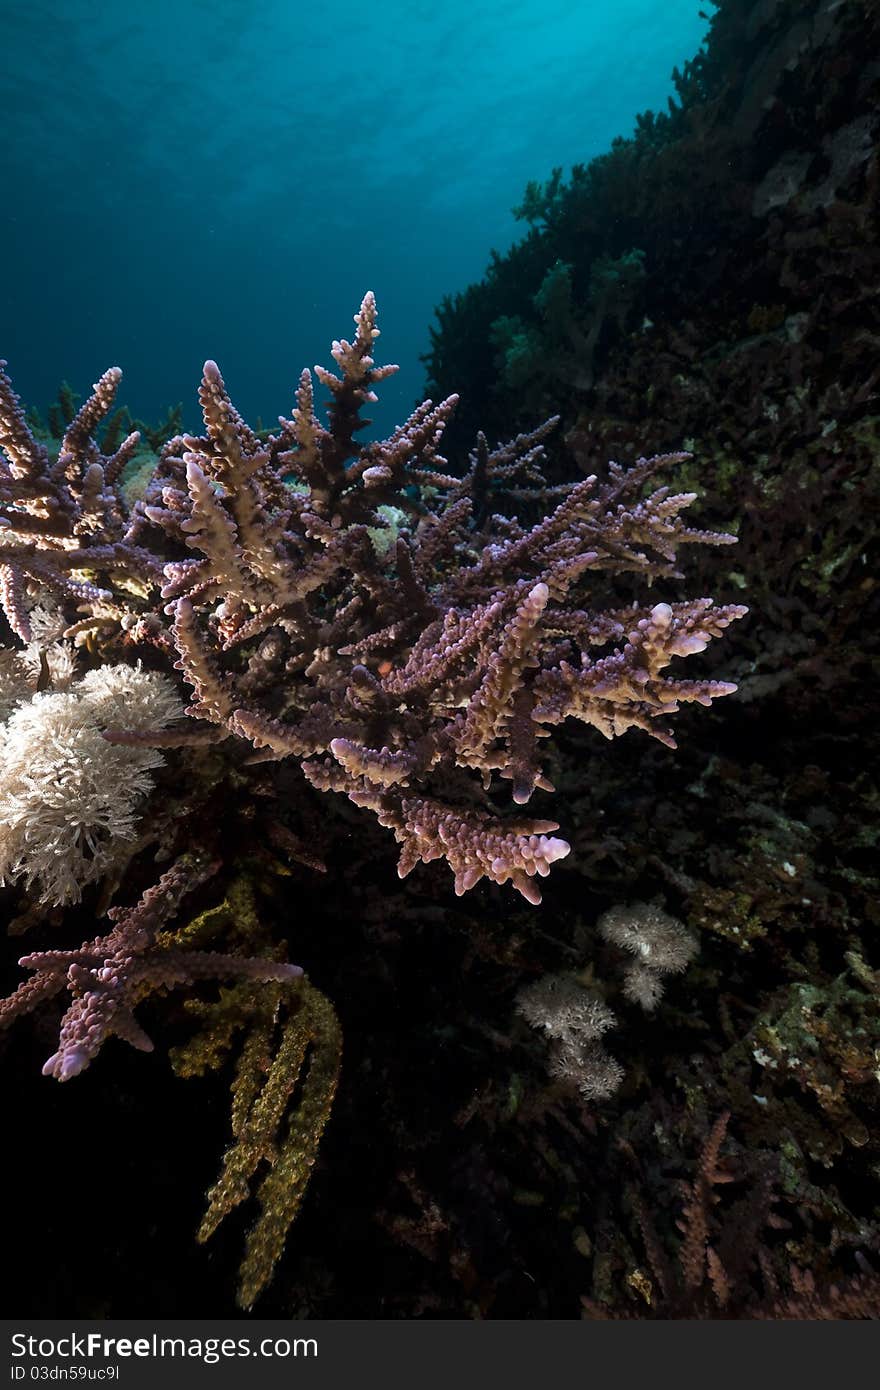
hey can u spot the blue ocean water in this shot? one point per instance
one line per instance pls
(192, 178)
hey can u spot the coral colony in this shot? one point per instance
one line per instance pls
(271, 607)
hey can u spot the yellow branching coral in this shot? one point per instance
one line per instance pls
(282, 1094)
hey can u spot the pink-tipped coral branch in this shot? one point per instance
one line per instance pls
(109, 976)
(362, 610)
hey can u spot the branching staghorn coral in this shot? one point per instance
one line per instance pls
(388, 672)
(63, 521)
(724, 1266)
(405, 636)
(384, 673)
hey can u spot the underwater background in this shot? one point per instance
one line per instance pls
(226, 180)
(661, 224)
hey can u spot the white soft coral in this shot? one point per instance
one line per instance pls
(69, 800)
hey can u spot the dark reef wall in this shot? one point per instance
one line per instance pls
(714, 284)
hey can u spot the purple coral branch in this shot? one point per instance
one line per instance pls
(109, 976)
(359, 609)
